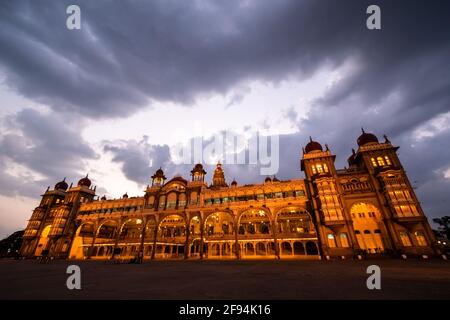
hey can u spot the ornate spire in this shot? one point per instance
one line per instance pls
(219, 176)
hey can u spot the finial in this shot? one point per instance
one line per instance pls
(71, 184)
(48, 188)
(87, 174)
(95, 188)
(64, 179)
(310, 139)
(386, 139)
(326, 147)
(353, 151)
(303, 148)
(362, 129)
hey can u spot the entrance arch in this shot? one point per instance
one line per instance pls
(42, 246)
(171, 237)
(104, 240)
(219, 233)
(255, 234)
(82, 241)
(367, 223)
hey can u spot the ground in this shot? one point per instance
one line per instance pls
(411, 279)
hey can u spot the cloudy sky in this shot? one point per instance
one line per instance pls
(115, 98)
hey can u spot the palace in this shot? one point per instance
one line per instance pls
(367, 209)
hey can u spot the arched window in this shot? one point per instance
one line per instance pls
(380, 161)
(314, 171)
(325, 167)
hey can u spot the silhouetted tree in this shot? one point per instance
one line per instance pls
(444, 225)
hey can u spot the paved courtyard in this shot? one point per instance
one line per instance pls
(412, 279)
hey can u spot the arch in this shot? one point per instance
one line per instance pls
(299, 248)
(219, 225)
(261, 249)
(172, 233)
(311, 248)
(82, 240)
(249, 249)
(286, 248)
(43, 242)
(294, 222)
(367, 219)
(254, 223)
(131, 229)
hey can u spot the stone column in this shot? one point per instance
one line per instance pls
(141, 246)
(275, 239)
(201, 236)
(116, 243)
(155, 235)
(236, 241)
(91, 248)
(186, 245)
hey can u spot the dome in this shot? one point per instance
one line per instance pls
(85, 182)
(313, 146)
(125, 196)
(103, 198)
(62, 185)
(234, 183)
(159, 174)
(198, 168)
(268, 179)
(366, 138)
(275, 179)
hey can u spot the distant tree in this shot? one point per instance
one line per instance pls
(444, 225)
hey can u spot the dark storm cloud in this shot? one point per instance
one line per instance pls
(130, 53)
(139, 159)
(45, 143)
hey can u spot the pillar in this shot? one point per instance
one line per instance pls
(186, 245)
(141, 245)
(155, 235)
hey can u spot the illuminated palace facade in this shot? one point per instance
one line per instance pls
(368, 208)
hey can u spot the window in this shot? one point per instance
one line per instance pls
(405, 239)
(380, 161)
(319, 168)
(420, 238)
(313, 169)
(344, 240)
(374, 163)
(331, 240)
(388, 161)
(299, 193)
(325, 167)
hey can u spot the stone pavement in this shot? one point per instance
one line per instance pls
(268, 279)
